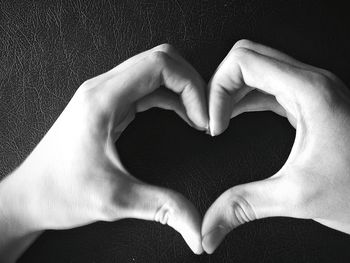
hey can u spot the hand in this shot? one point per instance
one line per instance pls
(75, 177)
(314, 183)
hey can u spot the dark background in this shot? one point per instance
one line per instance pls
(48, 48)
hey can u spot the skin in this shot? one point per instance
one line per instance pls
(74, 176)
(314, 183)
(57, 188)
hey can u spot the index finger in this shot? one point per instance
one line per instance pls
(244, 70)
(153, 71)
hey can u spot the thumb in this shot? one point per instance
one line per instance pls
(167, 207)
(242, 204)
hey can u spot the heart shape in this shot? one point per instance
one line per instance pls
(173, 155)
(250, 79)
(93, 184)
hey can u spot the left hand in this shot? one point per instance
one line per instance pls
(314, 183)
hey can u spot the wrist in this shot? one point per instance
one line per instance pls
(19, 226)
(18, 205)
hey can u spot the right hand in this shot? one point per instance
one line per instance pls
(75, 177)
(314, 183)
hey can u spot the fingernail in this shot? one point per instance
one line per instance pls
(212, 133)
(208, 131)
(213, 238)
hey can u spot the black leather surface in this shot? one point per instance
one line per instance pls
(48, 48)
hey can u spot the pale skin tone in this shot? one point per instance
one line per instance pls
(74, 176)
(314, 183)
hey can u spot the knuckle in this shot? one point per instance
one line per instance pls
(84, 92)
(240, 210)
(329, 74)
(173, 208)
(166, 48)
(86, 88)
(323, 87)
(243, 43)
(166, 211)
(91, 104)
(87, 94)
(240, 53)
(158, 58)
(320, 80)
(87, 84)
(162, 214)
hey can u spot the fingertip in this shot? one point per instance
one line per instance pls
(208, 132)
(189, 228)
(211, 129)
(203, 127)
(220, 111)
(194, 100)
(167, 207)
(201, 120)
(218, 126)
(213, 238)
(197, 246)
(191, 233)
(186, 220)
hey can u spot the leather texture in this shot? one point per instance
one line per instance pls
(48, 48)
